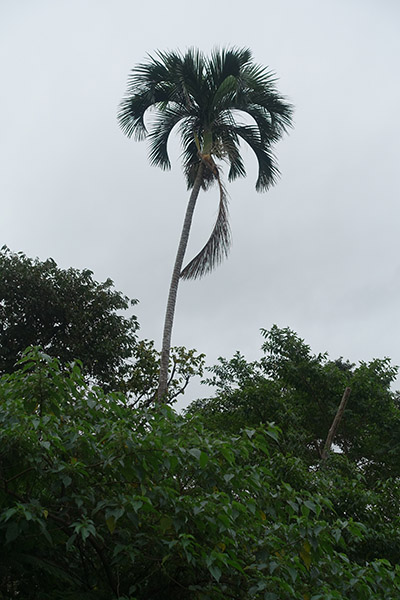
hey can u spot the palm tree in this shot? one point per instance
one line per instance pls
(207, 99)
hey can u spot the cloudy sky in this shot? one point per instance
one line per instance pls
(318, 253)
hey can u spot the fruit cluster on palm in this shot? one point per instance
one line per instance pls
(215, 103)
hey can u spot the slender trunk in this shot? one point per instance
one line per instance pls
(173, 290)
(335, 424)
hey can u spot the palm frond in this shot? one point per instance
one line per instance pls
(150, 85)
(192, 77)
(236, 164)
(276, 109)
(133, 108)
(131, 116)
(189, 129)
(163, 124)
(268, 171)
(224, 97)
(227, 147)
(217, 246)
(226, 62)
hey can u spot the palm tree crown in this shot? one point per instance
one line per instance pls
(207, 99)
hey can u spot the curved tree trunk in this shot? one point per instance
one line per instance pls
(173, 290)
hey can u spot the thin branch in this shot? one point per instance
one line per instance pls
(172, 372)
(336, 423)
(7, 481)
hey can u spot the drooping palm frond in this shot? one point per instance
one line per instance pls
(218, 244)
(163, 124)
(268, 171)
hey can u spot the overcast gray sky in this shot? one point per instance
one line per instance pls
(318, 253)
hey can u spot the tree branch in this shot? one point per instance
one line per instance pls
(335, 424)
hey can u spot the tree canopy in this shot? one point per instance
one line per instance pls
(301, 392)
(68, 313)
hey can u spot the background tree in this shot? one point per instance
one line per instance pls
(216, 102)
(68, 313)
(301, 392)
(71, 316)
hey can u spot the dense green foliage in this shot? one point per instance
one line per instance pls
(301, 392)
(101, 501)
(72, 316)
(66, 312)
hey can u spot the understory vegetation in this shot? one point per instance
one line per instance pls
(101, 499)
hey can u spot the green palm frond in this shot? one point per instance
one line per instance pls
(236, 163)
(133, 108)
(227, 148)
(164, 122)
(268, 171)
(192, 78)
(226, 62)
(217, 246)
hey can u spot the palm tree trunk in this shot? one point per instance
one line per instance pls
(173, 290)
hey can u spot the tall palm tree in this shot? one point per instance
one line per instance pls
(208, 100)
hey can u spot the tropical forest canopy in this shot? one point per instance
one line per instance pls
(106, 493)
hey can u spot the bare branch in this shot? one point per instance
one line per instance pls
(336, 423)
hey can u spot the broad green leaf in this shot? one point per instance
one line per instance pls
(111, 523)
(272, 433)
(311, 505)
(165, 523)
(12, 532)
(137, 504)
(215, 572)
(305, 554)
(228, 454)
(195, 452)
(203, 459)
